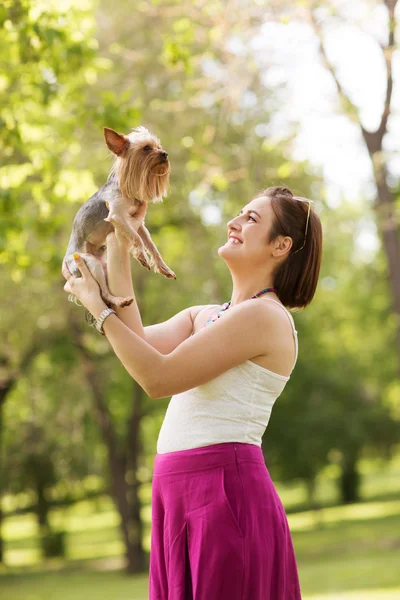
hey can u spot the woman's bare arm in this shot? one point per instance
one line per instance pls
(164, 337)
(239, 336)
(119, 279)
(167, 336)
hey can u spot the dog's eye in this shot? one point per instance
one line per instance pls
(147, 148)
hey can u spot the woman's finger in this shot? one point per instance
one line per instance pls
(82, 266)
(65, 271)
(67, 287)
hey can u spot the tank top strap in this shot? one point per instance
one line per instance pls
(294, 330)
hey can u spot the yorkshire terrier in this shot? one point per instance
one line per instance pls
(139, 175)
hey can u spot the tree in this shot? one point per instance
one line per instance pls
(386, 201)
(45, 65)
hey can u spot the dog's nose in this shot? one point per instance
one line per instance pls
(164, 154)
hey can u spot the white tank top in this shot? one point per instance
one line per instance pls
(233, 407)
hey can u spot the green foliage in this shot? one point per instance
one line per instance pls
(47, 60)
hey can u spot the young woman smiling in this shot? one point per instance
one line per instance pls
(219, 530)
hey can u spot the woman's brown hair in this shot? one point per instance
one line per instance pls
(296, 278)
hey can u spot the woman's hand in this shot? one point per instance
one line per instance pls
(85, 288)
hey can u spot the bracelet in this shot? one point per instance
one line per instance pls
(102, 317)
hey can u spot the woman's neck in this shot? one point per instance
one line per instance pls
(243, 288)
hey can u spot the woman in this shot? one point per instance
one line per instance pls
(219, 530)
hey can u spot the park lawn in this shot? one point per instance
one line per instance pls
(340, 556)
(344, 552)
(340, 579)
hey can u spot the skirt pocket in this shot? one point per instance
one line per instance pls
(217, 497)
(233, 495)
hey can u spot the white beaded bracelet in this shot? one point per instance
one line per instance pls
(102, 317)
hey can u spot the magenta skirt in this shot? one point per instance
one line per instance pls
(219, 529)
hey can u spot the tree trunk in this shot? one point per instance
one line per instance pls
(310, 484)
(42, 507)
(1, 534)
(350, 479)
(385, 203)
(385, 208)
(122, 499)
(6, 386)
(134, 451)
(137, 559)
(122, 467)
(1, 483)
(125, 489)
(131, 525)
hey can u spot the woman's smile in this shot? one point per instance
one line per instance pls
(234, 240)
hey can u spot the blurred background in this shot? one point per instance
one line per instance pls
(244, 94)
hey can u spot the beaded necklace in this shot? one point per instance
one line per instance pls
(216, 315)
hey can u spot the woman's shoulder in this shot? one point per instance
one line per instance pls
(276, 308)
(201, 313)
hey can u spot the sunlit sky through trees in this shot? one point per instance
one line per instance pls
(325, 136)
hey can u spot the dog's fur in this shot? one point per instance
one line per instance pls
(139, 175)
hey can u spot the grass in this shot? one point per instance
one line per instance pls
(88, 585)
(344, 552)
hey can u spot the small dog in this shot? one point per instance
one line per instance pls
(139, 175)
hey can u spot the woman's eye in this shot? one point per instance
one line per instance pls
(147, 148)
(250, 217)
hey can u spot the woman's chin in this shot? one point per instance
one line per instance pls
(227, 250)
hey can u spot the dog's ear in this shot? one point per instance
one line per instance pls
(117, 142)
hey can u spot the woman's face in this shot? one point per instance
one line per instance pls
(248, 234)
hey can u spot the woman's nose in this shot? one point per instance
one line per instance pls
(233, 223)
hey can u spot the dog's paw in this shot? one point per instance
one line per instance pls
(126, 301)
(117, 302)
(166, 271)
(143, 259)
